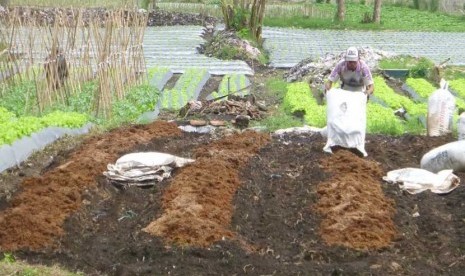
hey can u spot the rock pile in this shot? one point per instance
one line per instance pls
(48, 16)
(227, 45)
(229, 107)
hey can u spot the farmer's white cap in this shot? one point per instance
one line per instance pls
(351, 54)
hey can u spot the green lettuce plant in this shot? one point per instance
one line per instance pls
(382, 120)
(15, 128)
(300, 101)
(184, 89)
(421, 86)
(396, 101)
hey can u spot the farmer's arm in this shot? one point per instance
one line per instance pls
(367, 79)
(334, 76)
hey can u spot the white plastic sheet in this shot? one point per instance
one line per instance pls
(22, 148)
(414, 180)
(346, 120)
(202, 129)
(301, 130)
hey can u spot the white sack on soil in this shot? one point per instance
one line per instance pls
(346, 120)
(414, 180)
(300, 130)
(450, 156)
(144, 166)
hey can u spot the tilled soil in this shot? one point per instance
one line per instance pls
(250, 204)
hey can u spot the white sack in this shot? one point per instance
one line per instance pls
(415, 180)
(450, 156)
(144, 166)
(441, 107)
(151, 159)
(461, 127)
(346, 119)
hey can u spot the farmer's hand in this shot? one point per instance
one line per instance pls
(369, 90)
(328, 85)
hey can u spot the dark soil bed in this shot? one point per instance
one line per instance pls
(256, 209)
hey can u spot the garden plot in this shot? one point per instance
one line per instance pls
(175, 48)
(457, 87)
(381, 116)
(420, 89)
(232, 84)
(159, 76)
(247, 199)
(287, 48)
(20, 137)
(397, 101)
(187, 88)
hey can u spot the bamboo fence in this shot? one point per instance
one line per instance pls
(107, 49)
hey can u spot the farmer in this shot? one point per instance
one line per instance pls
(354, 74)
(56, 69)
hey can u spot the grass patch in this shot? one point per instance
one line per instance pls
(10, 266)
(454, 72)
(24, 269)
(398, 62)
(279, 120)
(276, 86)
(392, 18)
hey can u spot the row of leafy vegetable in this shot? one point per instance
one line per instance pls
(13, 128)
(381, 116)
(186, 88)
(235, 84)
(19, 115)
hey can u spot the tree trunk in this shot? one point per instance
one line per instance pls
(377, 12)
(256, 19)
(341, 11)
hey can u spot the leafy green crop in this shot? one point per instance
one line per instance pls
(423, 88)
(64, 119)
(183, 90)
(14, 128)
(396, 101)
(299, 100)
(138, 100)
(20, 98)
(460, 103)
(382, 120)
(5, 115)
(458, 86)
(234, 84)
(156, 75)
